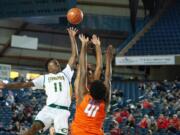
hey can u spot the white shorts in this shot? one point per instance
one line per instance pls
(58, 117)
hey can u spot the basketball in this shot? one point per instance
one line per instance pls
(75, 16)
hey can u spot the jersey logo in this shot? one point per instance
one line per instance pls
(91, 110)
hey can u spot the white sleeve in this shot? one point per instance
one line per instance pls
(39, 82)
(68, 72)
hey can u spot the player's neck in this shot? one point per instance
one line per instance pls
(54, 72)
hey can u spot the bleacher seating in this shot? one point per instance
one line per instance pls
(130, 91)
(163, 38)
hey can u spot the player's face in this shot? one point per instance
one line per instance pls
(53, 67)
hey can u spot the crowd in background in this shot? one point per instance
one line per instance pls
(157, 110)
(21, 106)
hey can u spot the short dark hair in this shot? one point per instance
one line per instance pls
(55, 61)
(98, 90)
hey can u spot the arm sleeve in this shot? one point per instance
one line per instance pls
(68, 72)
(39, 82)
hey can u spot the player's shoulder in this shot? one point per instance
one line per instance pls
(61, 73)
(67, 67)
(47, 75)
(87, 97)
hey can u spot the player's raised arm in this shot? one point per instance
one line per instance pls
(96, 41)
(76, 82)
(108, 72)
(16, 85)
(82, 89)
(72, 33)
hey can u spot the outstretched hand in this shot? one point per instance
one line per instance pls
(2, 85)
(95, 40)
(84, 39)
(72, 31)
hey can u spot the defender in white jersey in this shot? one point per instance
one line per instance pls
(57, 87)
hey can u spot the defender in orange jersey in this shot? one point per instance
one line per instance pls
(92, 103)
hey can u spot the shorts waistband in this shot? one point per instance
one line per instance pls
(59, 107)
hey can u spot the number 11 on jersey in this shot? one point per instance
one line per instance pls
(58, 86)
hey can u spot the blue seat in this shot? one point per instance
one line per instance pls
(162, 38)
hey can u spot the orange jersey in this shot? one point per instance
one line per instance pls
(89, 117)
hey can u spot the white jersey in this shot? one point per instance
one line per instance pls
(57, 86)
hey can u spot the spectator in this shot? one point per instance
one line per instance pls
(147, 104)
(142, 86)
(162, 122)
(131, 121)
(34, 100)
(23, 129)
(174, 124)
(125, 113)
(10, 98)
(153, 125)
(117, 116)
(116, 130)
(16, 127)
(29, 118)
(28, 109)
(154, 86)
(144, 123)
(21, 108)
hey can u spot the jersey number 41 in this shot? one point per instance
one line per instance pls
(91, 110)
